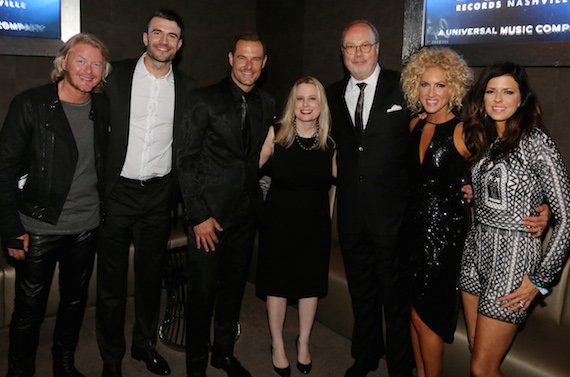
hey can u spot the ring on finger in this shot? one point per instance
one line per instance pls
(521, 304)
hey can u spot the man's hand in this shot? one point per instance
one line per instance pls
(206, 234)
(537, 224)
(20, 254)
(467, 190)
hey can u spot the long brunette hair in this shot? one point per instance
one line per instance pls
(480, 130)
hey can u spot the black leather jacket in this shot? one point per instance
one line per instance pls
(36, 140)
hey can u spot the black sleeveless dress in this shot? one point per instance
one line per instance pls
(434, 229)
(295, 237)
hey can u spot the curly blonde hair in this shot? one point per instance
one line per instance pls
(457, 73)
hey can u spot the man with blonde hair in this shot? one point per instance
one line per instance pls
(51, 185)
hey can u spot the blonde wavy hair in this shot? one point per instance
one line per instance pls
(457, 73)
(58, 72)
(286, 135)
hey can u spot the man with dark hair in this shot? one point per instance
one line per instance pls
(51, 185)
(224, 128)
(147, 97)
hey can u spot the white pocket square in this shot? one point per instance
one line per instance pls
(394, 107)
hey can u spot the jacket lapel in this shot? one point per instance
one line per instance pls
(57, 121)
(349, 120)
(259, 131)
(124, 84)
(383, 89)
(233, 119)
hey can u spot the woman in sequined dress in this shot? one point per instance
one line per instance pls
(294, 246)
(436, 219)
(516, 166)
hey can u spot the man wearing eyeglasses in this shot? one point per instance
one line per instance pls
(370, 127)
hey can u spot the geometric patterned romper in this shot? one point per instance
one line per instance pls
(498, 252)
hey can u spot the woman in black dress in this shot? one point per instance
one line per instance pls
(295, 236)
(436, 220)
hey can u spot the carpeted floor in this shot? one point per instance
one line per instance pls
(330, 351)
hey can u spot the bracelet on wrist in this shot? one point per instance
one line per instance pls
(543, 291)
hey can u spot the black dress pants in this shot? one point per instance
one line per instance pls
(141, 214)
(371, 264)
(217, 278)
(75, 254)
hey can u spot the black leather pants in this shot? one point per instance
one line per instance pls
(75, 254)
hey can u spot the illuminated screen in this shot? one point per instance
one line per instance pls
(34, 18)
(37, 27)
(459, 22)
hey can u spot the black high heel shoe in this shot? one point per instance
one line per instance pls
(283, 372)
(303, 368)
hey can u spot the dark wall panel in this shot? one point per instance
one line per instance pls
(303, 38)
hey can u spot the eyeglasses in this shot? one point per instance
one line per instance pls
(365, 48)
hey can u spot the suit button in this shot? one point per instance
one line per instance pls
(361, 149)
(360, 178)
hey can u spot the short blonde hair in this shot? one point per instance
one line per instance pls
(58, 72)
(457, 73)
(286, 135)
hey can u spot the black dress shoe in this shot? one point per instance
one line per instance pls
(66, 371)
(112, 370)
(154, 362)
(230, 365)
(360, 368)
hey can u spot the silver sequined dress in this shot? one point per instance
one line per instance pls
(498, 252)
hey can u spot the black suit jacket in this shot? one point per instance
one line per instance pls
(372, 178)
(118, 90)
(213, 164)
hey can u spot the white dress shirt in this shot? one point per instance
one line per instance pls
(353, 91)
(149, 149)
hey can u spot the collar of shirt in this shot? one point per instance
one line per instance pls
(353, 91)
(142, 71)
(252, 97)
(370, 81)
(237, 92)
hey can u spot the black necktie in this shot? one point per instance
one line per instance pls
(359, 107)
(244, 123)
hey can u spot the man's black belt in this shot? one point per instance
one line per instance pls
(144, 182)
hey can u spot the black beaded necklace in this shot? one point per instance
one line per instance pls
(315, 136)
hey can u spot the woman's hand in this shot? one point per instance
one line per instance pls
(521, 298)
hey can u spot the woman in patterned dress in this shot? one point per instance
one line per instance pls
(515, 167)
